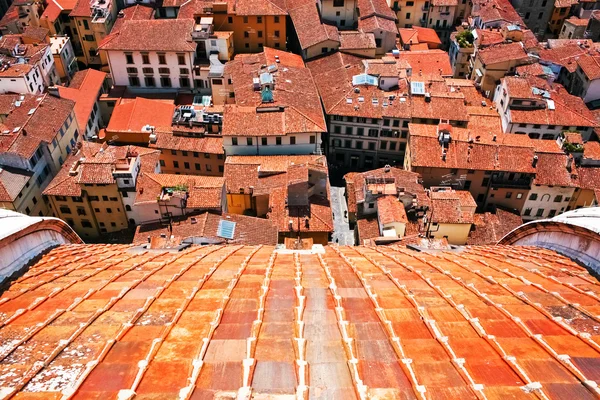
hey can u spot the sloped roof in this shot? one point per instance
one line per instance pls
(151, 35)
(83, 316)
(86, 94)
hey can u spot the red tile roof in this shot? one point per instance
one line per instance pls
(296, 107)
(489, 228)
(452, 207)
(12, 182)
(86, 94)
(132, 116)
(316, 217)
(27, 131)
(151, 35)
(83, 316)
(568, 110)
(490, 11)
(169, 141)
(204, 192)
(260, 173)
(502, 53)
(551, 170)
(95, 163)
(308, 25)
(248, 231)
(417, 34)
(354, 40)
(508, 153)
(590, 65)
(333, 76)
(390, 210)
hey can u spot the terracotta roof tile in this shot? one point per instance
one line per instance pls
(502, 53)
(490, 228)
(418, 34)
(170, 141)
(353, 40)
(496, 10)
(590, 65)
(132, 116)
(309, 27)
(452, 206)
(95, 163)
(89, 86)
(12, 182)
(151, 35)
(204, 192)
(293, 110)
(248, 230)
(551, 170)
(41, 126)
(83, 316)
(508, 153)
(390, 209)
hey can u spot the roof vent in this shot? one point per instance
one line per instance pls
(535, 161)
(387, 168)
(193, 220)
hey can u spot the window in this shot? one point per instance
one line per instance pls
(558, 199)
(259, 34)
(392, 146)
(86, 25)
(165, 81)
(485, 181)
(541, 15)
(104, 198)
(176, 164)
(263, 141)
(278, 141)
(173, 152)
(149, 81)
(196, 154)
(234, 141)
(245, 20)
(162, 59)
(164, 71)
(292, 139)
(552, 213)
(338, 3)
(533, 196)
(208, 167)
(230, 20)
(249, 141)
(145, 58)
(184, 82)
(162, 163)
(276, 33)
(519, 195)
(65, 210)
(113, 199)
(85, 223)
(527, 212)
(197, 166)
(132, 70)
(313, 139)
(360, 131)
(508, 195)
(259, 20)
(129, 58)
(276, 19)
(246, 34)
(407, 15)
(371, 145)
(349, 130)
(134, 81)
(206, 155)
(184, 71)
(186, 165)
(181, 59)
(540, 212)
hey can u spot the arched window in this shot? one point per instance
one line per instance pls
(127, 207)
(546, 197)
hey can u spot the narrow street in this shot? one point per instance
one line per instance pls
(342, 233)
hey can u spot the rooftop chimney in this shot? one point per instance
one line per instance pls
(535, 161)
